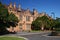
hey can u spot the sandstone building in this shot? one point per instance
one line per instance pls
(25, 17)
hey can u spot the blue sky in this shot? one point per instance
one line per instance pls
(47, 6)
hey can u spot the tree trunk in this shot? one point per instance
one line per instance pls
(42, 28)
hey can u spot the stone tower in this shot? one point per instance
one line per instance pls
(19, 7)
(35, 12)
(10, 6)
(14, 5)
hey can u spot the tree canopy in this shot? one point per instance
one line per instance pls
(42, 22)
(6, 19)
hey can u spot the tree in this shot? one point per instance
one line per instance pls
(57, 24)
(35, 25)
(12, 20)
(42, 22)
(6, 19)
(3, 12)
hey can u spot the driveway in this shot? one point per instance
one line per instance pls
(36, 36)
(41, 36)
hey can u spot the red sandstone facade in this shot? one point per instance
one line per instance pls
(25, 17)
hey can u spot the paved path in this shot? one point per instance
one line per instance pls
(36, 36)
(40, 37)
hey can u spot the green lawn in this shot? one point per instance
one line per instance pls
(10, 38)
(40, 30)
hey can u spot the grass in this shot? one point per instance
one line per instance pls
(40, 30)
(10, 38)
